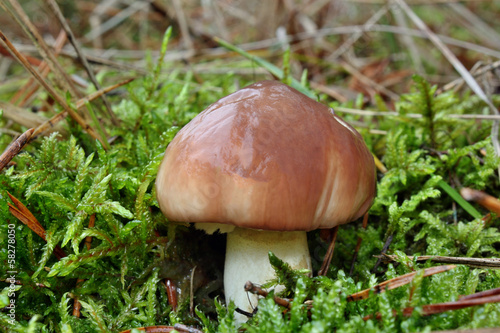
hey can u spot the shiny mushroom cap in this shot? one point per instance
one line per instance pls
(267, 157)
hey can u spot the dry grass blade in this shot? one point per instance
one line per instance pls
(31, 60)
(410, 115)
(493, 263)
(368, 81)
(79, 104)
(477, 73)
(407, 40)
(354, 37)
(474, 24)
(487, 201)
(459, 67)
(24, 117)
(62, 78)
(183, 24)
(31, 87)
(22, 213)
(22, 60)
(397, 282)
(15, 148)
(57, 12)
(329, 91)
(134, 7)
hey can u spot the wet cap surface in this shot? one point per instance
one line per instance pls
(267, 157)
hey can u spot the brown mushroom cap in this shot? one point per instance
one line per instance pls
(267, 157)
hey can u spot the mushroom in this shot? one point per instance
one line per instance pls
(265, 164)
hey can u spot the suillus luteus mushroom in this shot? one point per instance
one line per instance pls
(265, 164)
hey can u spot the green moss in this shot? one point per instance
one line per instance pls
(64, 181)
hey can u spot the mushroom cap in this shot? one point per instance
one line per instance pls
(267, 157)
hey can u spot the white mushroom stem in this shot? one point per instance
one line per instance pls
(247, 260)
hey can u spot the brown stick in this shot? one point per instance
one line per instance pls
(15, 148)
(79, 104)
(396, 282)
(491, 292)
(492, 263)
(329, 253)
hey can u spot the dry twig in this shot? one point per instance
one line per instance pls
(491, 263)
(15, 148)
(22, 60)
(397, 282)
(62, 78)
(79, 104)
(329, 253)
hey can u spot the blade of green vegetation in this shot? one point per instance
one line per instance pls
(459, 200)
(267, 66)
